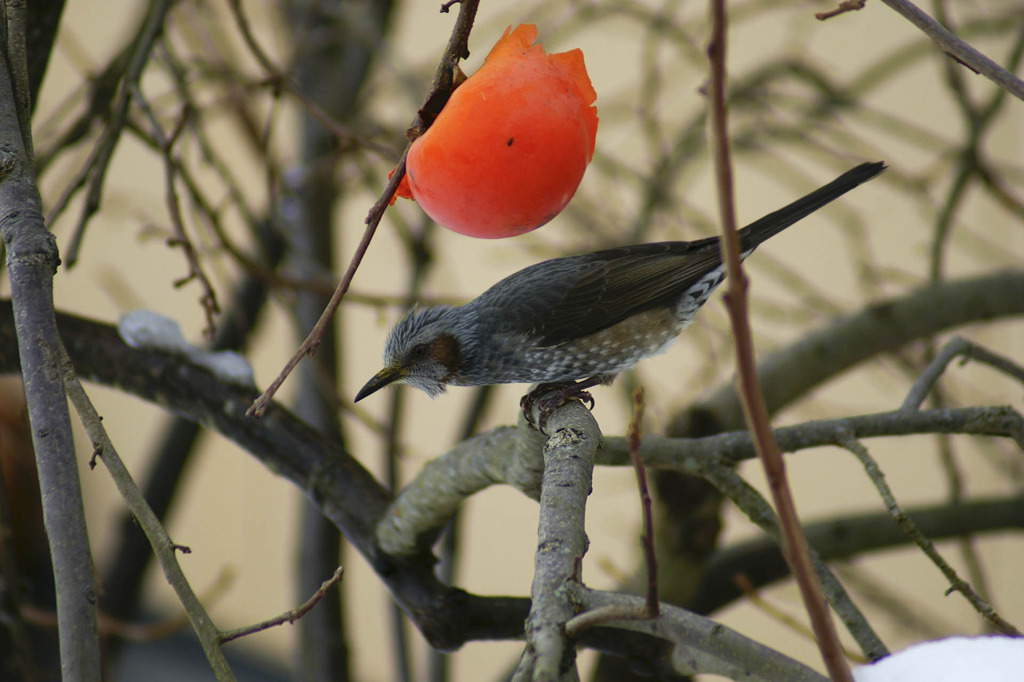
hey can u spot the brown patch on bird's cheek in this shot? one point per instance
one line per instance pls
(445, 351)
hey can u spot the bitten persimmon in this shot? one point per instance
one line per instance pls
(508, 150)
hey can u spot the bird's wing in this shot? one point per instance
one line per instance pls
(568, 298)
(572, 298)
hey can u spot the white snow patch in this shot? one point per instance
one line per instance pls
(956, 659)
(147, 330)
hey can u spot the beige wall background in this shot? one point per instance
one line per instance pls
(239, 518)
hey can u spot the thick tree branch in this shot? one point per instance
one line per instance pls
(504, 456)
(32, 261)
(734, 446)
(882, 328)
(561, 541)
(345, 491)
(700, 645)
(845, 538)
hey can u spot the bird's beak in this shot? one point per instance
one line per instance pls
(380, 380)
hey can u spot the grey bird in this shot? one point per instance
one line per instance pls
(576, 319)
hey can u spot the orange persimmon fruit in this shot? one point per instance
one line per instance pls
(508, 150)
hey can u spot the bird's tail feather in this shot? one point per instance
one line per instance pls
(777, 221)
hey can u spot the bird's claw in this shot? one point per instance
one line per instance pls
(549, 397)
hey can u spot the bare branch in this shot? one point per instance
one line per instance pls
(847, 537)
(954, 348)
(350, 496)
(957, 48)
(926, 545)
(281, 80)
(429, 500)
(291, 615)
(634, 439)
(94, 171)
(17, 62)
(208, 300)
(881, 328)
(507, 456)
(760, 512)
(844, 7)
(444, 83)
(735, 446)
(755, 411)
(159, 540)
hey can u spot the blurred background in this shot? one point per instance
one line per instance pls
(809, 99)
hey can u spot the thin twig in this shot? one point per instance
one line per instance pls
(163, 547)
(901, 607)
(278, 79)
(444, 81)
(312, 341)
(591, 618)
(994, 360)
(744, 585)
(956, 347)
(756, 414)
(844, 7)
(978, 121)
(955, 488)
(957, 48)
(905, 524)
(165, 144)
(757, 508)
(94, 171)
(288, 616)
(925, 382)
(647, 538)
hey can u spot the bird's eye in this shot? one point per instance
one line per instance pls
(419, 351)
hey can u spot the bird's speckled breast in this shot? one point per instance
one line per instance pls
(609, 351)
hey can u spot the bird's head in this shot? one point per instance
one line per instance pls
(422, 351)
